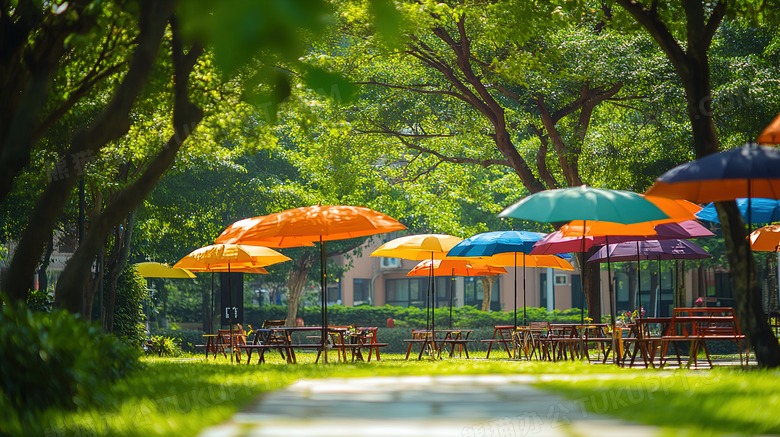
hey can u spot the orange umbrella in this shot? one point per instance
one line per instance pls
(454, 267)
(771, 134)
(678, 210)
(510, 258)
(303, 226)
(766, 239)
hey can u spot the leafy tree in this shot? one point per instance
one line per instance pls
(685, 31)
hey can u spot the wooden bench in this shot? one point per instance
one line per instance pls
(498, 337)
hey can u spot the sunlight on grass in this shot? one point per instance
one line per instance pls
(703, 403)
(181, 396)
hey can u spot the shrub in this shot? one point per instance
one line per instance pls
(186, 339)
(128, 310)
(163, 347)
(56, 359)
(38, 300)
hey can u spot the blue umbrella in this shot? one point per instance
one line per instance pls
(493, 243)
(761, 211)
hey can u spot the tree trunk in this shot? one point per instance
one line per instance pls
(112, 123)
(119, 254)
(298, 279)
(88, 291)
(747, 294)
(43, 280)
(487, 291)
(680, 295)
(186, 117)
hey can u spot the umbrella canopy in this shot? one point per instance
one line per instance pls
(418, 247)
(585, 203)
(770, 134)
(557, 243)
(761, 211)
(766, 239)
(492, 243)
(446, 267)
(542, 261)
(724, 176)
(302, 226)
(158, 270)
(220, 256)
(650, 249)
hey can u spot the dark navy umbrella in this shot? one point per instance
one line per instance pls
(761, 211)
(492, 243)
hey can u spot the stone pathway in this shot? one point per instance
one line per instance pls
(430, 406)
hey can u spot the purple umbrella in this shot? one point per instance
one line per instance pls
(649, 250)
(555, 243)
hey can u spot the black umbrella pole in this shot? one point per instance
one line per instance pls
(433, 306)
(515, 290)
(639, 279)
(211, 314)
(525, 322)
(582, 276)
(323, 286)
(612, 306)
(230, 310)
(452, 282)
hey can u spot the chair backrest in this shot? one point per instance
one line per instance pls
(539, 325)
(703, 312)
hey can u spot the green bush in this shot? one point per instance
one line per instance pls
(466, 317)
(38, 300)
(185, 338)
(56, 359)
(128, 309)
(163, 347)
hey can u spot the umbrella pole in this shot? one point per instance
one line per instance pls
(639, 279)
(230, 310)
(660, 282)
(433, 306)
(582, 276)
(515, 290)
(525, 322)
(211, 312)
(611, 304)
(452, 281)
(323, 286)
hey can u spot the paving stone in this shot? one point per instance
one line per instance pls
(452, 405)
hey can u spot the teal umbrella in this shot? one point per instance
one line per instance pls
(586, 203)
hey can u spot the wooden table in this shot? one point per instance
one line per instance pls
(427, 341)
(501, 334)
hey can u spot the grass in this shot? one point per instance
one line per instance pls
(174, 397)
(714, 402)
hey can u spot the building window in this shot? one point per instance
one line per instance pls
(334, 294)
(473, 294)
(360, 290)
(411, 292)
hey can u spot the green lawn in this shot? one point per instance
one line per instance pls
(172, 397)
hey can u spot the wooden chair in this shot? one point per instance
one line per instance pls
(276, 337)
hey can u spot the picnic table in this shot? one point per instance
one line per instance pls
(696, 330)
(501, 334)
(428, 341)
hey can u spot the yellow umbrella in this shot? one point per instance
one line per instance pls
(419, 248)
(227, 258)
(159, 270)
(218, 256)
